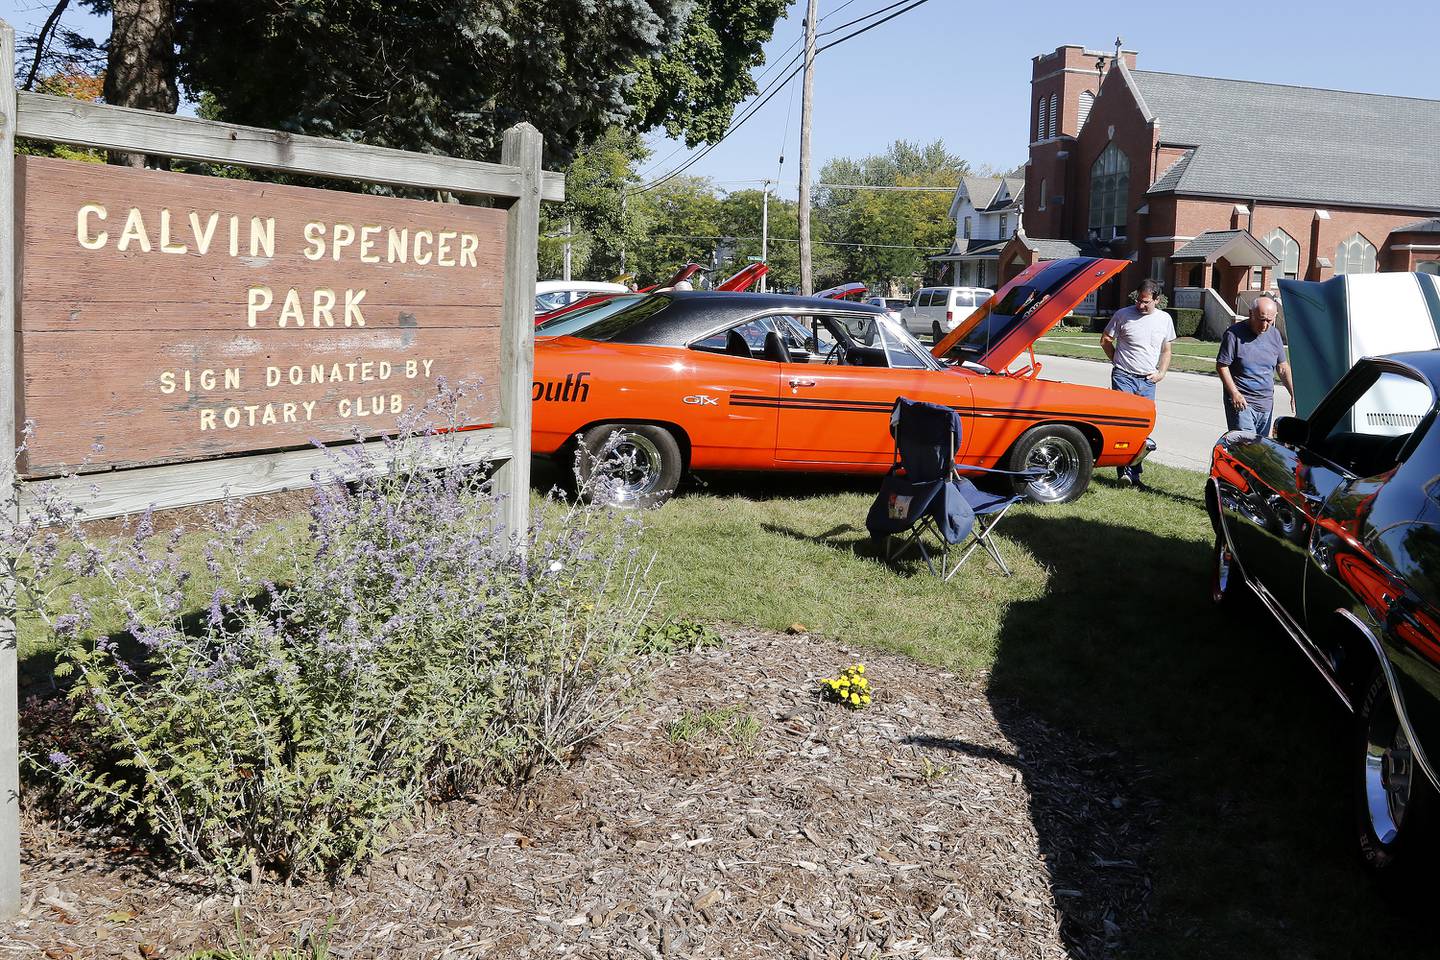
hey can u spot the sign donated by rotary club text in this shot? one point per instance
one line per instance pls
(168, 317)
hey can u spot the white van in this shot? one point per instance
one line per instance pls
(937, 310)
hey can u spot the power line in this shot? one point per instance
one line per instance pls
(758, 81)
(875, 13)
(826, 243)
(866, 186)
(755, 108)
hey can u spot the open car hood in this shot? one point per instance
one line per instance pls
(1023, 310)
(1333, 323)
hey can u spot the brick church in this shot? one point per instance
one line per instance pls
(1225, 185)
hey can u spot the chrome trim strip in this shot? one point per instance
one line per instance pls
(1388, 672)
(1297, 635)
(1303, 641)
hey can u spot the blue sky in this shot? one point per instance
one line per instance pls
(959, 71)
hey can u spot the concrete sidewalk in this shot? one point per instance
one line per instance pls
(1189, 415)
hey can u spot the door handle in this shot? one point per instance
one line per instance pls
(802, 383)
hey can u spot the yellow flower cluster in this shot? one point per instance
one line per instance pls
(851, 688)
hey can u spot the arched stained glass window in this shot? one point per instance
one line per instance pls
(1109, 190)
(1355, 254)
(1286, 250)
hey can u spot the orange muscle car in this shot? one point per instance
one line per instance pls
(655, 386)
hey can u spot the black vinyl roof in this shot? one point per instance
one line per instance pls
(692, 314)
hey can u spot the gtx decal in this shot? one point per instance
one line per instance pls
(573, 389)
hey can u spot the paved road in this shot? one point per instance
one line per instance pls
(1189, 414)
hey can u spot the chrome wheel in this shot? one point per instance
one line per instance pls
(1389, 772)
(1060, 460)
(630, 466)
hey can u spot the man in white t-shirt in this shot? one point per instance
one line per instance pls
(1137, 341)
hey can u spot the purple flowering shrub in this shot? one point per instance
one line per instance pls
(410, 649)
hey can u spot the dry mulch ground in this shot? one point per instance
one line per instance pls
(934, 823)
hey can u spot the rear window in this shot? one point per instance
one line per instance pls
(606, 320)
(964, 298)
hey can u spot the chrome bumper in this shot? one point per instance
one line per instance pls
(1146, 448)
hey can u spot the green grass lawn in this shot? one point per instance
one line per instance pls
(1187, 354)
(1105, 628)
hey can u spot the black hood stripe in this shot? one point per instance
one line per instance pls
(874, 406)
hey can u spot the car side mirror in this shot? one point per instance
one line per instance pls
(1292, 430)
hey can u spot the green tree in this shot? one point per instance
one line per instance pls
(741, 215)
(677, 223)
(445, 76)
(601, 223)
(693, 89)
(881, 237)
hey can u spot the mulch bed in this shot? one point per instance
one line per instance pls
(937, 822)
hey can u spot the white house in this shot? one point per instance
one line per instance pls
(986, 211)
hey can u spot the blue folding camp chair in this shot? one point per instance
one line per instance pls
(924, 492)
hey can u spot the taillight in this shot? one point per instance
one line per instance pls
(949, 316)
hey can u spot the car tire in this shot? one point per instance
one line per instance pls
(1061, 450)
(627, 465)
(935, 331)
(1225, 578)
(1394, 802)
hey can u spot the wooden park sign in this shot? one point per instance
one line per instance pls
(179, 338)
(169, 317)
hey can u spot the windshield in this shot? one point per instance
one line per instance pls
(571, 323)
(994, 321)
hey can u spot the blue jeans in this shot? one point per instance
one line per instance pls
(1141, 387)
(1254, 417)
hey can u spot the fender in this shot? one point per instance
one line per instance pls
(1396, 699)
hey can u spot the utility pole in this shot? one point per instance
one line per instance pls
(568, 233)
(623, 229)
(807, 284)
(765, 232)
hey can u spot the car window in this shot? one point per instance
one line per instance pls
(615, 324)
(751, 331)
(902, 350)
(964, 298)
(1368, 436)
(553, 300)
(931, 298)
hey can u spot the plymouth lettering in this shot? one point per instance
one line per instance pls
(573, 389)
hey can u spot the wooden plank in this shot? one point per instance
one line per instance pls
(63, 120)
(117, 342)
(522, 147)
(9, 298)
(122, 492)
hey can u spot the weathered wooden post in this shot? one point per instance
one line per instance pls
(9, 707)
(521, 148)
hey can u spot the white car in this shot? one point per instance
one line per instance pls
(938, 310)
(554, 294)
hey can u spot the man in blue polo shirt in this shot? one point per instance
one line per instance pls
(1251, 352)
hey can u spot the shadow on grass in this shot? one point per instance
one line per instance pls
(1215, 822)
